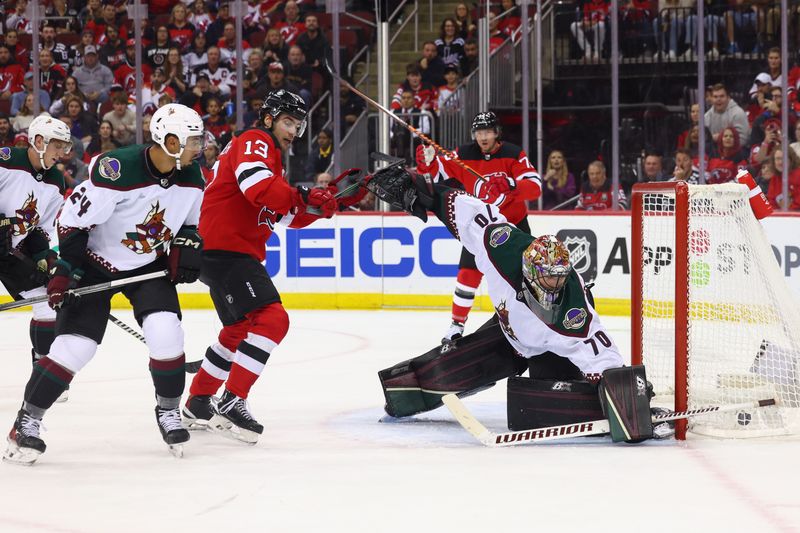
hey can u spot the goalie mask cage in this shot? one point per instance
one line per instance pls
(712, 317)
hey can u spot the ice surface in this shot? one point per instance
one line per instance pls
(325, 463)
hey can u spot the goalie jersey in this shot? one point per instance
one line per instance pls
(32, 197)
(130, 209)
(571, 329)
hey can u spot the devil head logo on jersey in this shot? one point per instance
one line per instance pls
(150, 234)
(27, 216)
(266, 217)
(481, 187)
(502, 315)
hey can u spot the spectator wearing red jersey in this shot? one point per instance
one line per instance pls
(227, 45)
(596, 193)
(424, 93)
(20, 54)
(593, 22)
(760, 153)
(496, 35)
(11, 74)
(180, 29)
(775, 187)
(125, 74)
(108, 17)
(727, 158)
(199, 16)
(6, 131)
(511, 20)
(153, 91)
(18, 20)
(214, 120)
(292, 26)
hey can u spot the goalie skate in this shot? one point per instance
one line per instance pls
(172, 430)
(24, 444)
(233, 420)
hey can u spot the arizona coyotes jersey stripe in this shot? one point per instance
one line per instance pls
(576, 333)
(508, 161)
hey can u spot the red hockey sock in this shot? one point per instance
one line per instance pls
(467, 283)
(240, 381)
(204, 384)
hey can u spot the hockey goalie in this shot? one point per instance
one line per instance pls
(544, 322)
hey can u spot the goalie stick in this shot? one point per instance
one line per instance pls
(568, 431)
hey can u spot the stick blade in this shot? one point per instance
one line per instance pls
(467, 421)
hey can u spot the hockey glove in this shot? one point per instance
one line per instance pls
(63, 278)
(347, 200)
(6, 233)
(497, 185)
(320, 199)
(426, 157)
(43, 262)
(185, 255)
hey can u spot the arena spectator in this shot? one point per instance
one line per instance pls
(496, 35)
(351, 107)
(19, 53)
(256, 65)
(58, 51)
(298, 73)
(276, 79)
(771, 141)
(156, 53)
(223, 80)
(71, 88)
(511, 20)
(771, 112)
(25, 115)
(210, 155)
(102, 141)
(424, 93)
(321, 154)
(592, 22)
(196, 55)
(725, 112)
(83, 123)
(727, 158)
(92, 10)
(684, 167)
(62, 16)
(322, 180)
(21, 140)
(291, 27)
(197, 97)
(431, 65)
(199, 16)
(215, 29)
(76, 51)
(180, 29)
(775, 187)
(11, 74)
(74, 169)
(146, 136)
(402, 142)
(743, 15)
(112, 53)
(152, 92)
(227, 45)
(125, 74)
(447, 97)
(108, 17)
(713, 24)
(18, 20)
(6, 131)
(652, 169)
(466, 26)
(670, 23)
(313, 43)
(470, 60)
(637, 27)
(769, 78)
(17, 99)
(214, 119)
(558, 183)
(596, 193)
(449, 45)
(94, 79)
(177, 74)
(795, 146)
(122, 120)
(275, 48)
(51, 75)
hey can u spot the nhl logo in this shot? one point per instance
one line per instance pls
(164, 182)
(109, 168)
(582, 246)
(229, 298)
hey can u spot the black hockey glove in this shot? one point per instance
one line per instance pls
(43, 262)
(185, 255)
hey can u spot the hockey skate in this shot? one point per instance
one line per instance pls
(662, 430)
(24, 444)
(454, 332)
(172, 430)
(233, 420)
(198, 410)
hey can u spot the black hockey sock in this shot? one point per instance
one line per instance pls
(169, 377)
(48, 381)
(42, 332)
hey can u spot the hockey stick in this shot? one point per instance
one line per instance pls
(349, 173)
(451, 155)
(100, 287)
(568, 431)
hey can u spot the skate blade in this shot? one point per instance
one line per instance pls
(197, 424)
(176, 450)
(224, 427)
(20, 456)
(63, 398)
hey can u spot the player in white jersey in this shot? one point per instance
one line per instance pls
(31, 193)
(544, 322)
(136, 214)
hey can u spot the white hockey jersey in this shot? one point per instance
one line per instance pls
(572, 329)
(32, 197)
(130, 210)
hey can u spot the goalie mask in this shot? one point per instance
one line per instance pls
(48, 128)
(545, 267)
(180, 121)
(283, 101)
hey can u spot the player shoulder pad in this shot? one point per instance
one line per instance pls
(510, 151)
(123, 168)
(504, 244)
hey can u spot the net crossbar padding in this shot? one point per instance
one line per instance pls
(712, 317)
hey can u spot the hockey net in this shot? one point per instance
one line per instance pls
(712, 317)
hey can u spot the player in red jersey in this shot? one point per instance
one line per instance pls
(507, 180)
(247, 196)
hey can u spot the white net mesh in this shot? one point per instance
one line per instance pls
(744, 321)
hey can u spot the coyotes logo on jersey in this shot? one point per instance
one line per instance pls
(27, 216)
(502, 315)
(150, 234)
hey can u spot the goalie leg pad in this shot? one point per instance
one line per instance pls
(537, 403)
(625, 396)
(473, 363)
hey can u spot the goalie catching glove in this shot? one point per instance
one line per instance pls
(185, 255)
(403, 190)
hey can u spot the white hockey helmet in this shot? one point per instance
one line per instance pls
(48, 128)
(178, 120)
